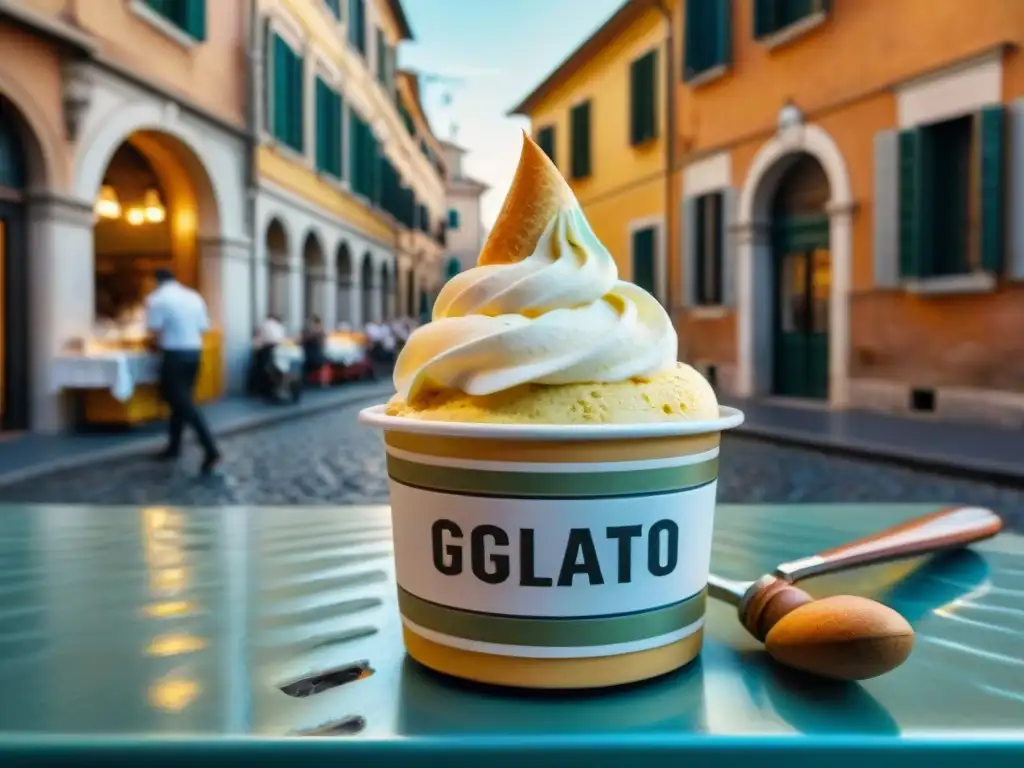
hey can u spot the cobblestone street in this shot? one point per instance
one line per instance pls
(328, 458)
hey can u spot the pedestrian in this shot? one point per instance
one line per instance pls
(176, 317)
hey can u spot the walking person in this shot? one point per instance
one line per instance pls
(176, 317)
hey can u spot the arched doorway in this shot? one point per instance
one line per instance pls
(314, 278)
(802, 278)
(759, 261)
(452, 268)
(366, 289)
(14, 287)
(277, 271)
(152, 204)
(343, 272)
(386, 293)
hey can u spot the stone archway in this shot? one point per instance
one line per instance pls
(314, 278)
(343, 275)
(754, 268)
(366, 285)
(278, 271)
(20, 161)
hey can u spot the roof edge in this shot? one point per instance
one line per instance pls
(626, 13)
(404, 28)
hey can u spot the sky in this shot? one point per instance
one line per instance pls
(499, 50)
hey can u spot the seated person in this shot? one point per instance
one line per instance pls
(266, 377)
(314, 339)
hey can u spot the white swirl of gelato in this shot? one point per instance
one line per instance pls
(559, 316)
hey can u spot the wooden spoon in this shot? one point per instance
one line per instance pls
(846, 637)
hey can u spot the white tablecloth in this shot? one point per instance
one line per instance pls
(342, 352)
(118, 372)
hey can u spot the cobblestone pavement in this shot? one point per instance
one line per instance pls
(328, 458)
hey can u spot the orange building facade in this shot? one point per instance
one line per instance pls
(852, 202)
(844, 221)
(123, 147)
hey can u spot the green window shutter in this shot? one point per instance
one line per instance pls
(335, 7)
(382, 56)
(707, 37)
(770, 16)
(279, 112)
(643, 98)
(195, 18)
(643, 260)
(915, 215)
(546, 141)
(580, 128)
(991, 122)
(296, 138)
(320, 122)
(453, 218)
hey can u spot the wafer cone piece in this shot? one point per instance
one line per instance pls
(537, 193)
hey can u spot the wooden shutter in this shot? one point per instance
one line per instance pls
(729, 246)
(279, 112)
(689, 251)
(643, 98)
(707, 37)
(914, 212)
(643, 260)
(580, 119)
(1015, 189)
(296, 102)
(195, 18)
(886, 209)
(453, 218)
(546, 141)
(992, 171)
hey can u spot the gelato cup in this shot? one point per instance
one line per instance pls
(552, 556)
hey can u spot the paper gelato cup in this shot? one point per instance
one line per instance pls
(552, 556)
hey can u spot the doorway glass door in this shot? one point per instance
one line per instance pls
(803, 280)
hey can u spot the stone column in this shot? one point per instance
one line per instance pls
(754, 303)
(296, 291)
(62, 303)
(840, 237)
(226, 273)
(329, 294)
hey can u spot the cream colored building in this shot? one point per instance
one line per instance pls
(466, 231)
(350, 195)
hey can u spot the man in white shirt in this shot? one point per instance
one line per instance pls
(271, 332)
(176, 318)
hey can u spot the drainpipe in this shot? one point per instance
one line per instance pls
(670, 155)
(254, 70)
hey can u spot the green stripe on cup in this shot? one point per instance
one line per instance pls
(551, 633)
(574, 485)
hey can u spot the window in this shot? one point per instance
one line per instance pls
(286, 97)
(334, 6)
(546, 141)
(771, 16)
(385, 61)
(453, 218)
(365, 159)
(357, 25)
(423, 218)
(187, 15)
(708, 240)
(328, 129)
(643, 99)
(707, 38)
(951, 196)
(579, 119)
(644, 243)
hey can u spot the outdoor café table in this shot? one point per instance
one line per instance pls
(162, 636)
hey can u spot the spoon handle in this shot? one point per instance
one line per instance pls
(948, 528)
